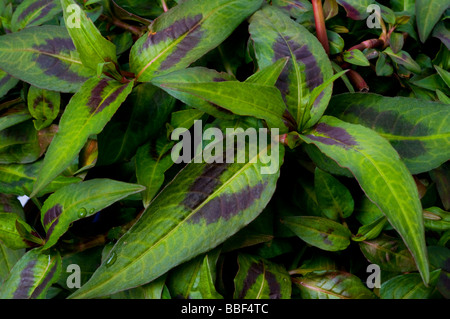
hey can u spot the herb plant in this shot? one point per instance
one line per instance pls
(355, 95)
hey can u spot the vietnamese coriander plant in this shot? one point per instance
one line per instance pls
(111, 122)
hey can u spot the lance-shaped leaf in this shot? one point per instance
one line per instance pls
(404, 59)
(295, 8)
(7, 82)
(441, 176)
(44, 57)
(428, 13)
(334, 198)
(258, 278)
(15, 233)
(436, 219)
(241, 98)
(371, 230)
(319, 232)
(12, 113)
(142, 116)
(356, 57)
(332, 284)
(270, 74)
(19, 179)
(185, 33)
(417, 129)
(195, 279)
(34, 12)
(442, 33)
(8, 258)
(22, 144)
(409, 286)
(389, 253)
(381, 174)
(276, 36)
(32, 275)
(94, 49)
(153, 290)
(78, 201)
(43, 106)
(152, 161)
(86, 114)
(203, 199)
(195, 75)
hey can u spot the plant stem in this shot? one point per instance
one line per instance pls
(164, 5)
(321, 29)
(119, 23)
(358, 81)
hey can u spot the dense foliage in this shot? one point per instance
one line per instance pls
(355, 95)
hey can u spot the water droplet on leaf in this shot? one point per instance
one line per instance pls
(82, 212)
(111, 260)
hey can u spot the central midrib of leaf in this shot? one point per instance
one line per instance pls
(324, 291)
(299, 114)
(234, 99)
(194, 211)
(175, 42)
(60, 57)
(35, 13)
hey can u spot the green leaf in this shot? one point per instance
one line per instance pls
(409, 286)
(195, 279)
(295, 8)
(428, 13)
(19, 179)
(43, 106)
(436, 219)
(415, 128)
(441, 176)
(356, 57)
(356, 9)
(181, 219)
(22, 144)
(389, 253)
(7, 82)
(334, 198)
(9, 234)
(44, 57)
(86, 114)
(34, 12)
(442, 33)
(258, 278)
(404, 59)
(142, 116)
(241, 98)
(319, 232)
(185, 33)
(153, 290)
(336, 42)
(32, 275)
(270, 74)
(194, 75)
(78, 201)
(442, 97)
(383, 67)
(445, 75)
(371, 230)
(8, 258)
(94, 49)
(275, 36)
(380, 173)
(12, 113)
(332, 284)
(185, 118)
(152, 161)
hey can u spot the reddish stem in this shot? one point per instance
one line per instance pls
(358, 81)
(321, 30)
(368, 44)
